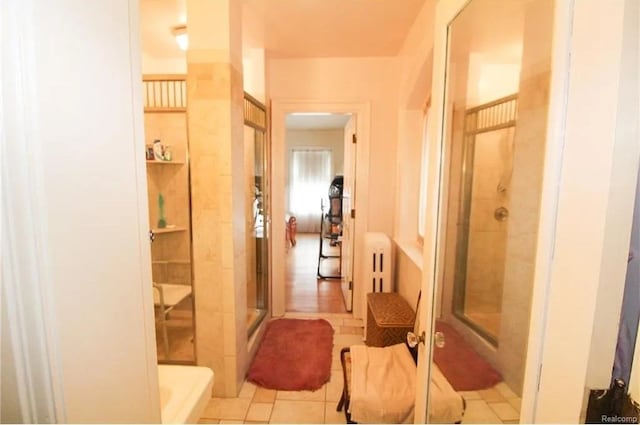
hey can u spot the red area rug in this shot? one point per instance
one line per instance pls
(294, 355)
(461, 365)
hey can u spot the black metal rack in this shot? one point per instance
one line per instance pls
(331, 227)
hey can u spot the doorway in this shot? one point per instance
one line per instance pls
(315, 245)
(361, 124)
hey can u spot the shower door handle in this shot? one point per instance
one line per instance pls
(413, 339)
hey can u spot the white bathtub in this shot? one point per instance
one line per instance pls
(184, 392)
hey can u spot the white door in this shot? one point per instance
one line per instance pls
(475, 170)
(348, 204)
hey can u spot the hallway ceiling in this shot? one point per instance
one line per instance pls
(316, 122)
(329, 28)
(295, 28)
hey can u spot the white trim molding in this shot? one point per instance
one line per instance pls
(278, 154)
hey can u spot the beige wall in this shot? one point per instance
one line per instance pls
(407, 276)
(414, 90)
(352, 80)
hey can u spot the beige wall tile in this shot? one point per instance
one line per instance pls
(229, 334)
(231, 384)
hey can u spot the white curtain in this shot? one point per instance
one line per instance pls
(310, 180)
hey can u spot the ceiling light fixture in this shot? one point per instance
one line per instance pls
(182, 38)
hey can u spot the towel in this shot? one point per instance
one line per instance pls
(445, 404)
(383, 384)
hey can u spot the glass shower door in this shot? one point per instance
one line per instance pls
(258, 211)
(483, 216)
(489, 127)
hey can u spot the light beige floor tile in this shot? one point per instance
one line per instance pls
(491, 395)
(470, 395)
(350, 330)
(479, 412)
(353, 322)
(331, 416)
(259, 412)
(335, 386)
(247, 390)
(335, 362)
(505, 391)
(227, 408)
(505, 411)
(516, 403)
(297, 412)
(318, 395)
(346, 341)
(263, 395)
(336, 322)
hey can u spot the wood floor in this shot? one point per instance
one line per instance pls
(304, 291)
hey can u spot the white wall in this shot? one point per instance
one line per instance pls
(594, 209)
(352, 80)
(83, 121)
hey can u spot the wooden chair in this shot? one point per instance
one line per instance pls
(166, 296)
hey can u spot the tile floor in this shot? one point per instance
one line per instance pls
(258, 405)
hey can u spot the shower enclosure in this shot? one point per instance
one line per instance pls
(256, 162)
(169, 194)
(486, 170)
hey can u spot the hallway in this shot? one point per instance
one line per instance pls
(305, 293)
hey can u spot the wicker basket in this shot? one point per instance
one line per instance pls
(389, 318)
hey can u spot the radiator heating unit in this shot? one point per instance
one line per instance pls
(377, 267)
(377, 277)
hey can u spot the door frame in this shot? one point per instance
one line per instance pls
(586, 179)
(280, 109)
